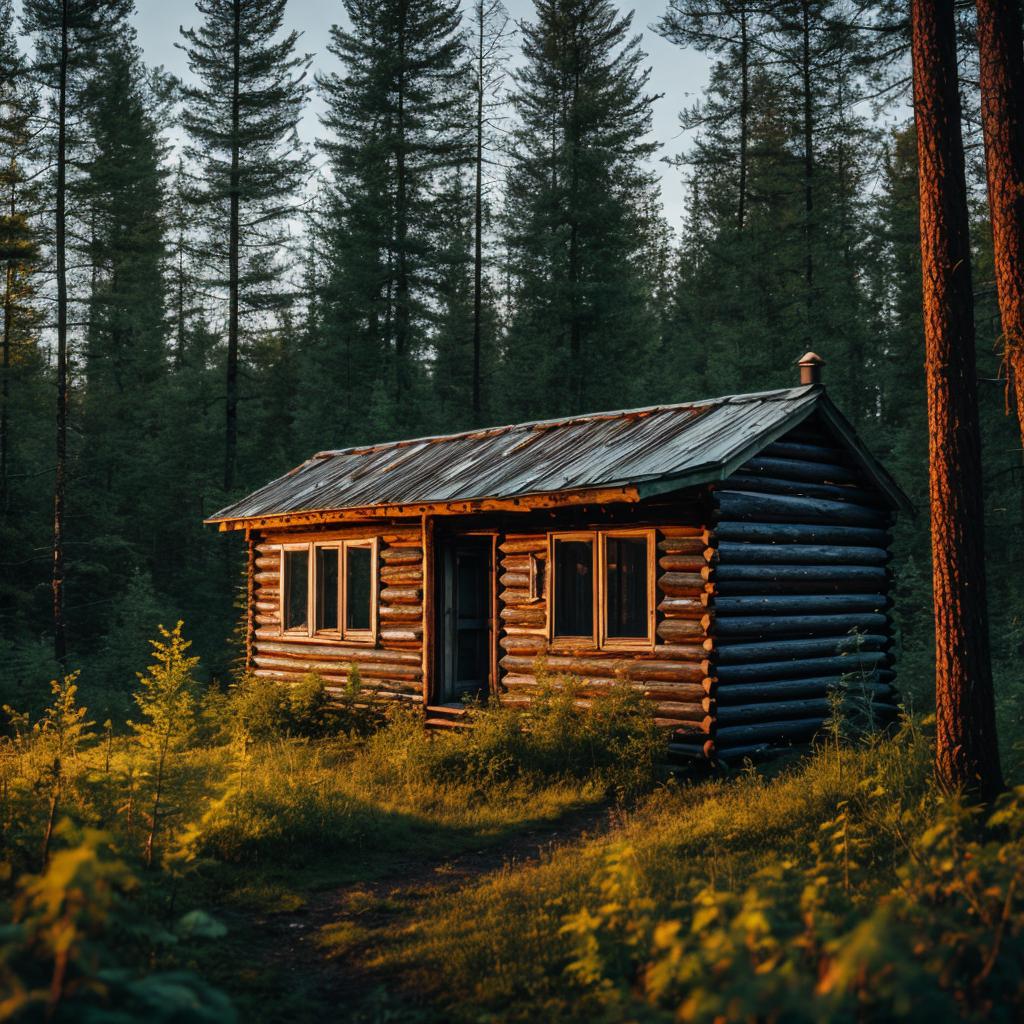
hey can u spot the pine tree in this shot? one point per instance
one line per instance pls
(967, 753)
(69, 35)
(578, 193)
(398, 123)
(242, 122)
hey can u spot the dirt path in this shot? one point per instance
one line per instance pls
(293, 939)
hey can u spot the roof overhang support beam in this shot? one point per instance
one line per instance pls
(524, 503)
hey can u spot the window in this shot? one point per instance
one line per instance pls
(573, 567)
(295, 589)
(360, 580)
(627, 603)
(329, 590)
(602, 588)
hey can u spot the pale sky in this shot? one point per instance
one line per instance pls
(678, 74)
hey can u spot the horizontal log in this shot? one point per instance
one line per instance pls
(270, 607)
(788, 730)
(401, 634)
(731, 694)
(529, 616)
(690, 607)
(677, 530)
(526, 545)
(400, 612)
(686, 693)
(270, 579)
(516, 563)
(515, 580)
(759, 587)
(799, 469)
(268, 563)
(401, 556)
(800, 604)
(402, 573)
(686, 563)
(340, 679)
(801, 533)
(624, 668)
(763, 711)
(402, 538)
(685, 545)
(804, 489)
(696, 751)
(761, 507)
(519, 596)
(405, 673)
(401, 595)
(801, 573)
(361, 654)
(741, 752)
(730, 654)
(795, 625)
(740, 553)
(865, 661)
(522, 645)
(677, 584)
(515, 629)
(680, 629)
(807, 452)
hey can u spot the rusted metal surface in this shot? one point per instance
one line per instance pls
(660, 447)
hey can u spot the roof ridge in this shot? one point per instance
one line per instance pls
(562, 421)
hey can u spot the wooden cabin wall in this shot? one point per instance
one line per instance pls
(674, 675)
(800, 594)
(390, 670)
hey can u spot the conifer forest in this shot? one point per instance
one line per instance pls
(408, 218)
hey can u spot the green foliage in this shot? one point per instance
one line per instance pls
(166, 698)
(63, 956)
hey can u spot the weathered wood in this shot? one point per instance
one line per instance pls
(780, 689)
(399, 634)
(362, 653)
(531, 616)
(674, 630)
(401, 574)
(807, 452)
(794, 648)
(340, 666)
(621, 667)
(730, 552)
(401, 556)
(519, 596)
(528, 545)
(828, 492)
(685, 563)
(677, 584)
(426, 629)
(340, 679)
(865, 661)
(798, 469)
(512, 580)
(767, 586)
(400, 613)
(800, 533)
(795, 625)
(685, 545)
(516, 563)
(801, 604)
(401, 595)
(800, 573)
(683, 607)
(677, 530)
(761, 507)
(790, 729)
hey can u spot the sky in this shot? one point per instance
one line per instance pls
(679, 75)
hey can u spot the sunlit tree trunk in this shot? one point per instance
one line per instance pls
(1001, 51)
(967, 755)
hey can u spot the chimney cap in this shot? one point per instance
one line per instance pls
(810, 364)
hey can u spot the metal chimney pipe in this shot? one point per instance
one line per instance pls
(811, 366)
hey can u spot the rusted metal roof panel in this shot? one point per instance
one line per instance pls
(686, 443)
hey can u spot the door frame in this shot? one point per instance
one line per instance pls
(436, 623)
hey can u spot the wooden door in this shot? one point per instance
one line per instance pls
(464, 613)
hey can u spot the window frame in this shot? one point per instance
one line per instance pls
(599, 638)
(358, 636)
(306, 630)
(551, 585)
(628, 643)
(333, 545)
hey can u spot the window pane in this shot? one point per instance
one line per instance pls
(574, 588)
(357, 588)
(327, 588)
(296, 584)
(626, 559)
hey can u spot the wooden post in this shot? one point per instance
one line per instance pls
(427, 540)
(250, 600)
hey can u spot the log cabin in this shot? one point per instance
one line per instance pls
(728, 558)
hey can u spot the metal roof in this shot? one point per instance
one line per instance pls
(655, 449)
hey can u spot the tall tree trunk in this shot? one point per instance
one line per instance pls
(402, 311)
(806, 86)
(1001, 50)
(60, 476)
(741, 211)
(478, 216)
(231, 395)
(5, 379)
(966, 755)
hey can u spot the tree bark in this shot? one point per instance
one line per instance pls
(60, 242)
(1001, 51)
(966, 755)
(741, 211)
(231, 394)
(478, 204)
